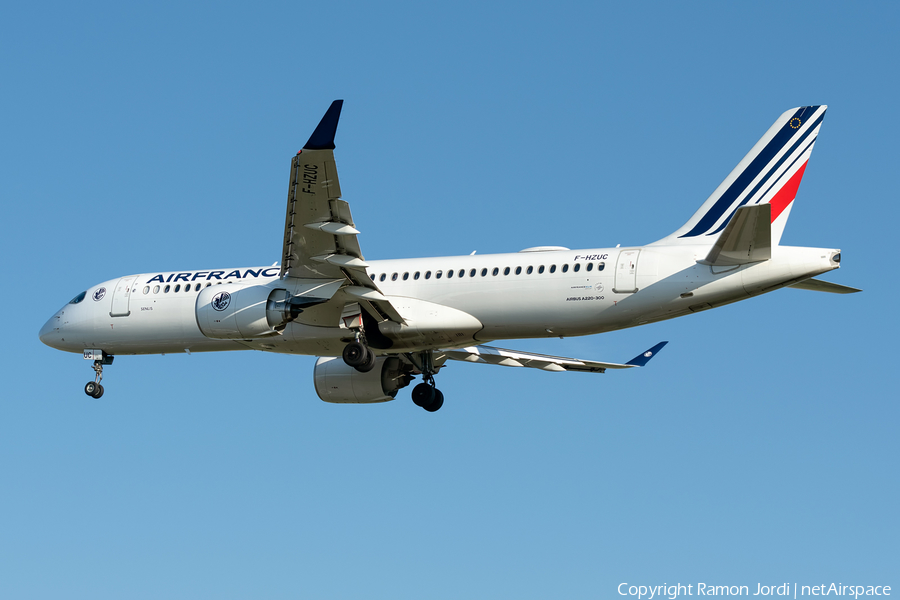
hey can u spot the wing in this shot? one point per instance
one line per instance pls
(514, 358)
(319, 234)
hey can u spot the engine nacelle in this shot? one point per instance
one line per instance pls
(342, 384)
(243, 313)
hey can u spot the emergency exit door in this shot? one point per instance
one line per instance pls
(626, 272)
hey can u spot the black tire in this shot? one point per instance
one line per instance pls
(369, 364)
(354, 354)
(91, 388)
(99, 391)
(423, 394)
(436, 403)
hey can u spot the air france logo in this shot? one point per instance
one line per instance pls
(98, 295)
(648, 354)
(221, 301)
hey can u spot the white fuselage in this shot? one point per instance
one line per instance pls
(455, 301)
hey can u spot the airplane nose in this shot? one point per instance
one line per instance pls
(48, 332)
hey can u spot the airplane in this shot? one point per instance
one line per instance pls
(377, 324)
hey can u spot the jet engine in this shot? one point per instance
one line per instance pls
(336, 382)
(244, 313)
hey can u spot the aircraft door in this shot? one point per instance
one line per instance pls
(120, 298)
(626, 272)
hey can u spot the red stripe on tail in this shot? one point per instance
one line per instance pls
(787, 193)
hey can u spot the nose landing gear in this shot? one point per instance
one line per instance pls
(100, 358)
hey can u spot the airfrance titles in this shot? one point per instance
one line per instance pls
(218, 275)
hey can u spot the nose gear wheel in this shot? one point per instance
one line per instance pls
(93, 388)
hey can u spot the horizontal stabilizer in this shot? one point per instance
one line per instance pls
(514, 358)
(746, 239)
(817, 285)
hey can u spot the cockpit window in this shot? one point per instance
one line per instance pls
(78, 298)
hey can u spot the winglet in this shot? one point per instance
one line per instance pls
(323, 137)
(642, 359)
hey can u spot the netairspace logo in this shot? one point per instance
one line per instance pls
(649, 592)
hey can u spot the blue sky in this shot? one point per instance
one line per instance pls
(760, 446)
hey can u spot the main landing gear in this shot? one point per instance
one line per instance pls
(357, 355)
(93, 388)
(426, 394)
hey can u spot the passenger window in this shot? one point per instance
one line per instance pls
(472, 273)
(601, 266)
(394, 277)
(449, 273)
(156, 289)
(540, 269)
(405, 276)
(530, 269)
(590, 267)
(78, 298)
(565, 268)
(372, 276)
(166, 290)
(207, 285)
(146, 289)
(427, 274)
(577, 267)
(553, 268)
(382, 277)
(506, 271)
(178, 288)
(416, 276)
(483, 272)
(461, 273)
(495, 271)
(438, 274)
(518, 270)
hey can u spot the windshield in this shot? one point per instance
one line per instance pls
(78, 298)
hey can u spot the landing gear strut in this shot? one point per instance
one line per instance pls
(425, 394)
(93, 388)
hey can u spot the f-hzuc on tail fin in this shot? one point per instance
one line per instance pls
(769, 174)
